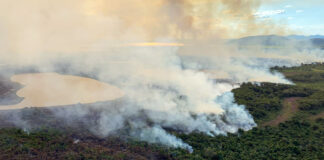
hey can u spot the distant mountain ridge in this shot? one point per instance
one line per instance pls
(302, 37)
(276, 41)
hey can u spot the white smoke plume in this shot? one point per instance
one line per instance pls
(161, 94)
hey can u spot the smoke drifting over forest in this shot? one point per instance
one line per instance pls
(166, 86)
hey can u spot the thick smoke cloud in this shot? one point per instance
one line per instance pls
(161, 94)
(36, 26)
(165, 87)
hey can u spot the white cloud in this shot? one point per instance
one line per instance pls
(268, 13)
(288, 6)
(299, 11)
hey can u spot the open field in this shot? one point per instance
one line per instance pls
(290, 107)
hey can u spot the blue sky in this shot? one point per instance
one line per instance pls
(304, 16)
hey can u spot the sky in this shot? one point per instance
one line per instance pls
(303, 17)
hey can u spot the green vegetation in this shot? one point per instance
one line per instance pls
(291, 140)
(313, 103)
(265, 101)
(299, 135)
(52, 144)
(309, 76)
(306, 75)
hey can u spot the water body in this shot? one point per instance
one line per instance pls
(53, 89)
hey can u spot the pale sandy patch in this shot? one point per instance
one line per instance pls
(53, 89)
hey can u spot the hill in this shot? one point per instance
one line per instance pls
(278, 42)
(301, 37)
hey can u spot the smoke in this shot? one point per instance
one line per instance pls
(166, 87)
(161, 94)
(73, 26)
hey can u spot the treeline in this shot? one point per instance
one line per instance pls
(313, 103)
(265, 99)
(308, 76)
(46, 143)
(303, 67)
(290, 140)
(294, 139)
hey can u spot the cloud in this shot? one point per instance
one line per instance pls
(288, 6)
(268, 13)
(299, 11)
